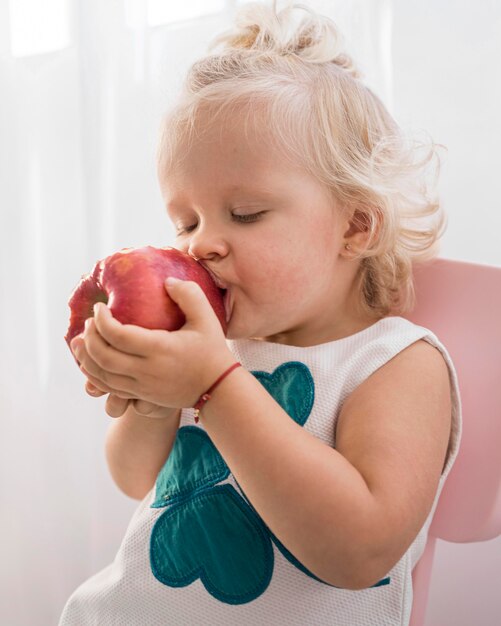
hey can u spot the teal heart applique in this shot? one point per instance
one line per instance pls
(194, 464)
(213, 536)
(291, 386)
(209, 531)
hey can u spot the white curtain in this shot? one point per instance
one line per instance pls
(78, 131)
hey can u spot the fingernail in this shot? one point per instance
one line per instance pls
(95, 308)
(172, 281)
(87, 323)
(75, 344)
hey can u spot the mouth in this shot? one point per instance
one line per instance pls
(228, 304)
(215, 277)
(225, 291)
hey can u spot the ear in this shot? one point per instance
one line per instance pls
(359, 229)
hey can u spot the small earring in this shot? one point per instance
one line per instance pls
(347, 246)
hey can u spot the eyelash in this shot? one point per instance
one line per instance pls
(241, 219)
(250, 217)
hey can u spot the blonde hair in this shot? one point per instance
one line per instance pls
(320, 114)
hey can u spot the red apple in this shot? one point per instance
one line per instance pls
(131, 283)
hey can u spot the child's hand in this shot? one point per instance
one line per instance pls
(168, 369)
(116, 407)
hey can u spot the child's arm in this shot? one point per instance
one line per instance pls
(139, 440)
(137, 447)
(347, 514)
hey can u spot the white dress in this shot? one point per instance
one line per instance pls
(196, 553)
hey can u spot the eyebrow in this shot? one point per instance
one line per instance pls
(260, 191)
(232, 189)
(257, 192)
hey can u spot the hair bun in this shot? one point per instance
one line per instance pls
(259, 27)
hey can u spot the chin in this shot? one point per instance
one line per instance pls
(236, 331)
(245, 331)
(234, 334)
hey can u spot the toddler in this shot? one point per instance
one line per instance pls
(300, 489)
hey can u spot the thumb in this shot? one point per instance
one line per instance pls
(191, 299)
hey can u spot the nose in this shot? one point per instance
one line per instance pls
(208, 243)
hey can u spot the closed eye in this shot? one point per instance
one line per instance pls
(181, 230)
(240, 219)
(250, 217)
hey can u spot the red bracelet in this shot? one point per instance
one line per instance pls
(206, 396)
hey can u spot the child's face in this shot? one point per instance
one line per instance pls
(270, 234)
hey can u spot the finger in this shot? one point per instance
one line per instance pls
(193, 302)
(104, 356)
(97, 377)
(76, 346)
(154, 411)
(128, 338)
(104, 388)
(92, 390)
(143, 407)
(85, 363)
(95, 382)
(79, 349)
(123, 394)
(99, 363)
(115, 406)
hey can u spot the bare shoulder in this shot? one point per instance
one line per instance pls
(394, 428)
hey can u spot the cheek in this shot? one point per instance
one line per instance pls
(279, 273)
(280, 267)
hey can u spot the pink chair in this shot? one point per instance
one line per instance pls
(461, 303)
